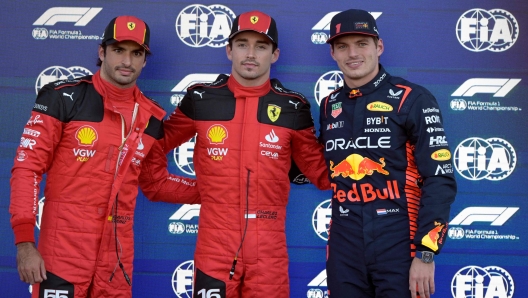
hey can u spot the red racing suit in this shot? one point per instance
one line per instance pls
(393, 184)
(246, 138)
(76, 136)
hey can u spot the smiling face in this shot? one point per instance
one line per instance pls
(357, 56)
(122, 63)
(252, 55)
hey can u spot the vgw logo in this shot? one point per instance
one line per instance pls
(494, 30)
(491, 159)
(327, 83)
(188, 81)
(56, 73)
(198, 25)
(482, 282)
(183, 156)
(320, 37)
(182, 279)
(321, 219)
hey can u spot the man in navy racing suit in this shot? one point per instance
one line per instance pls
(391, 172)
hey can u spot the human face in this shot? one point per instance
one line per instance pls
(122, 63)
(357, 56)
(252, 56)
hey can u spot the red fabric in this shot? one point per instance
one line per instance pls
(77, 240)
(245, 181)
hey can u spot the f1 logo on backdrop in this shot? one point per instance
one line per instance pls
(321, 219)
(183, 156)
(198, 25)
(80, 16)
(497, 87)
(320, 37)
(182, 279)
(188, 81)
(319, 281)
(494, 30)
(482, 217)
(184, 213)
(327, 83)
(482, 282)
(497, 216)
(492, 159)
(55, 73)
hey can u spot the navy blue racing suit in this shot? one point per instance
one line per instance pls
(393, 184)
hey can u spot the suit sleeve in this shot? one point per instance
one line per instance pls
(435, 166)
(179, 127)
(307, 152)
(34, 156)
(157, 184)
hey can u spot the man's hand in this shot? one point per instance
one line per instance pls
(30, 263)
(421, 278)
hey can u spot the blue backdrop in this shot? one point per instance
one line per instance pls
(470, 54)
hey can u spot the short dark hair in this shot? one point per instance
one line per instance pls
(99, 62)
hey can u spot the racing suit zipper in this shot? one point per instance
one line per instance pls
(232, 272)
(122, 150)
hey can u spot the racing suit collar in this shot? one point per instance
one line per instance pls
(369, 87)
(242, 91)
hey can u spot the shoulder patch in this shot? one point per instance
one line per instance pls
(68, 83)
(220, 81)
(277, 87)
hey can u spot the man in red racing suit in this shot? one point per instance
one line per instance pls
(391, 172)
(248, 128)
(90, 136)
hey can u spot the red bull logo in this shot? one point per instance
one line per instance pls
(432, 238)
(367, 192)
(356, 167)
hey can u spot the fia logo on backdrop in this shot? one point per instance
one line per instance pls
(182, 279)
(491, 159)
(327, 84)
(199, 25)
(482, 282)
(494, 30)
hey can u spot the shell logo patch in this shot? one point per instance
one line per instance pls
(217, 134)
(86, 135)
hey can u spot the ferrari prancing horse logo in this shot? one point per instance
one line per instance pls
(273, 112)
(254, 20)
(131, 25)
